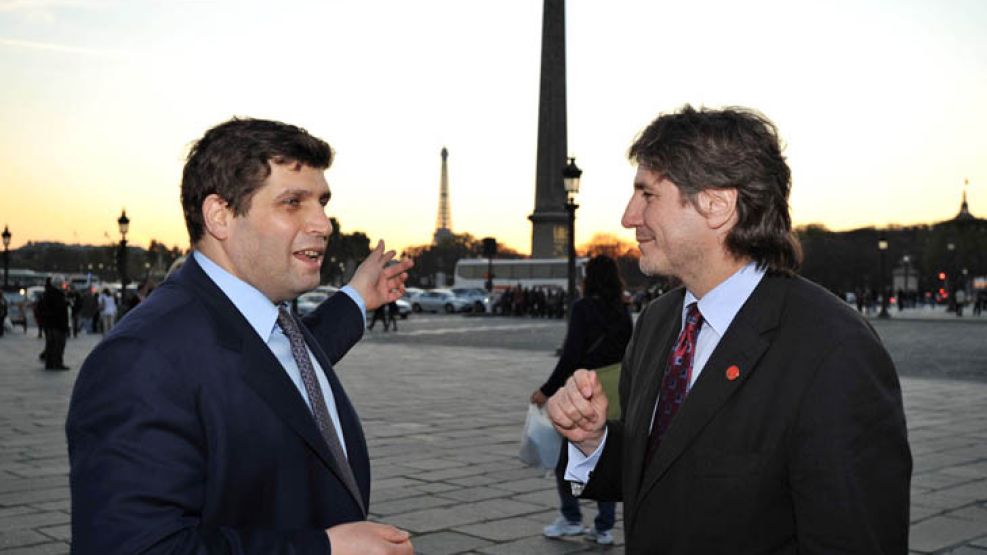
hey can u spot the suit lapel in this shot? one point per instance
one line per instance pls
(743, 344)
(349, 423)
(653, 364)
(262, 371)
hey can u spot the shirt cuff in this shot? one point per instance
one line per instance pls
(351, 293)
(580, 466)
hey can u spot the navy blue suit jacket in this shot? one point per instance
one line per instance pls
(186, 435)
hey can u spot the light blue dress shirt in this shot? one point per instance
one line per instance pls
(719, 307)
(262, 315)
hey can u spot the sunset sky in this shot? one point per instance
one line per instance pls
(881, 104)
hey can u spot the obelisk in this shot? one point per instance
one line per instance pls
(549, 230)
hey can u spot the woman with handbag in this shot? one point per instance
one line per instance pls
(599, 330)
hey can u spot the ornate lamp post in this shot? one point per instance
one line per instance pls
(124, 222)
(570, 177)
(6, 256)
(906, 262)
(882, 245)
(951, 277)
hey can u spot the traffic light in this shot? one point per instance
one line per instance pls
(942, 276)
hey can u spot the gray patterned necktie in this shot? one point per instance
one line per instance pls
(291, 330)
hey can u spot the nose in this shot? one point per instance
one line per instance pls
(633, 212)
(319, 223)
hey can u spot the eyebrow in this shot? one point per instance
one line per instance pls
(305, 193)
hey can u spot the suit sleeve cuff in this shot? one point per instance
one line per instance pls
(351, 293)
(580, 466)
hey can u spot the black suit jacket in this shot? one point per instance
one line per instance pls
(187, 436)
(804, 452)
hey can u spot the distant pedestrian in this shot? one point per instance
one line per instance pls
(380, 315)
(74, 299)
(107, 310)
(89, 311)
(960, 298)
(39, 318)
(54, 312)
(598, 333)
(393, 312)
(3, 314)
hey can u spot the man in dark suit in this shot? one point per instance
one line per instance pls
(760, 413)
(54, 310)
(210, 419)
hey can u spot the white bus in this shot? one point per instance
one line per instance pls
(529, 272)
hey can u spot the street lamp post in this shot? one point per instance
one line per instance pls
(570, 178)
(489, 251)
(124, 222)
(906, 260)
(882, 245)
(951, 277)
(6, 257)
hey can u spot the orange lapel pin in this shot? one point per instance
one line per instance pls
(733, 373)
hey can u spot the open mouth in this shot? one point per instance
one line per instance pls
(310, 255)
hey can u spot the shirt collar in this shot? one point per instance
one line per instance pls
(723, 302)
(259, 311)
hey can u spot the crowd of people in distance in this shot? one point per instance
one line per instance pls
(537, 302)
(61, 312)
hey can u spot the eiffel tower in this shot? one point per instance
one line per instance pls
(443, 222)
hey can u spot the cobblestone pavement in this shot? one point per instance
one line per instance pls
(443, 422)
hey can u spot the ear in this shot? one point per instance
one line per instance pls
(217, 216)
(719, 206)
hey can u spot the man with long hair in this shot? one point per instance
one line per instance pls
(760, 414)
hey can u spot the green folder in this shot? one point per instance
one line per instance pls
(609, 377)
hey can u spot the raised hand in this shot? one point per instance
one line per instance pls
(579, 410)
(377, 280)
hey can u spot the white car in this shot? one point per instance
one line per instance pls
(440, 300)
(479, 299)
(307, 302)
(404, 308)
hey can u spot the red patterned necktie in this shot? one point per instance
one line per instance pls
(675, 382)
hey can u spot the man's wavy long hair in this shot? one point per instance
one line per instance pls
(722, 149)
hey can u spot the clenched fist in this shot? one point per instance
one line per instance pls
(579, 410)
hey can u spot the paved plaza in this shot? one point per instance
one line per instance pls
(443, 402)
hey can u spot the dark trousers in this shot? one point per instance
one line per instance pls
(380, 315)
(54, 347)
(606, 510)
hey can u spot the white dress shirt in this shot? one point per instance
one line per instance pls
(262, 315)
(718, 307)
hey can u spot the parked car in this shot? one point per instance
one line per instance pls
(307, 302)
(84, 283)
(404, 308)
(437, 300)
(327, 289)
(480, 300)
(17, 307)
(411, 295)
